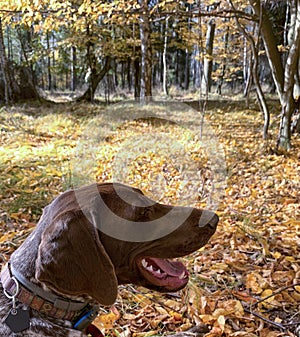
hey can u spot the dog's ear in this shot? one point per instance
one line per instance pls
(72, 260)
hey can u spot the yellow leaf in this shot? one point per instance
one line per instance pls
(143, 300)
(255, 283)
(207, 319)
(276, 255)
(266, 293)
(107, 321)
(177, 316)
(7, 237)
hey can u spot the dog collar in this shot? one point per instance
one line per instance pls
(81, 314)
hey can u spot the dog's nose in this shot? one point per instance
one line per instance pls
(209, 218)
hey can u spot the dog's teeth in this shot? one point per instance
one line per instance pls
(182, 276)
(144, 263)
(150, 268)
(159, 271)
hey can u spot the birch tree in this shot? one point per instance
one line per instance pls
(283, 74)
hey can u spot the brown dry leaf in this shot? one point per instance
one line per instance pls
(243, 334)
(161, 310)
(233, 307)
(172, 304)
(216, 331)
(208, 319)
(255, 282)
(176, 317)
(243, 296)
(283, 277)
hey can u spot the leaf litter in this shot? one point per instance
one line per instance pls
(244, 282)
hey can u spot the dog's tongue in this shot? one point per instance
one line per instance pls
(172, 268)
(168, 275)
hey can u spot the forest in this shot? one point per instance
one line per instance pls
(137, 47)
(196, 103)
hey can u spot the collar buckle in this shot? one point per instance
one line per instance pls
(86, 317)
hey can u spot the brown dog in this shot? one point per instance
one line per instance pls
(86, 243)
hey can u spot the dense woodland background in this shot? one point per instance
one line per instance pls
(145, 47)
(236, 63)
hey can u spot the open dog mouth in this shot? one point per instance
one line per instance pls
(167, 275)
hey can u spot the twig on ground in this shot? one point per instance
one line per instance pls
(275, 293)
(277, 325)
(196, 331)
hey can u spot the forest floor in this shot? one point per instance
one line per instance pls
(246, 280)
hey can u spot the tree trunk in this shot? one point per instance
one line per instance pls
(27, 78)
(49, 76)
(223, 65)
(249, 78)
(259, 92)
(10, 55)
(18, 81)
(165, 84)
(137, 75)
(260, 95)
(284, 76)
(291, 67)
(270, 44)
(146, 57)
(177, 61)
(136, 65)
(54, 75)
(8, 88)
(296, 122)
(297, 81)
(284, 137)
(207, 67)
(95, 80)
(187, 70)
(73, 68)
(128, 68)
(123, 70)
(115, 76)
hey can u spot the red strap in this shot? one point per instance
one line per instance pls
(94, 331)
